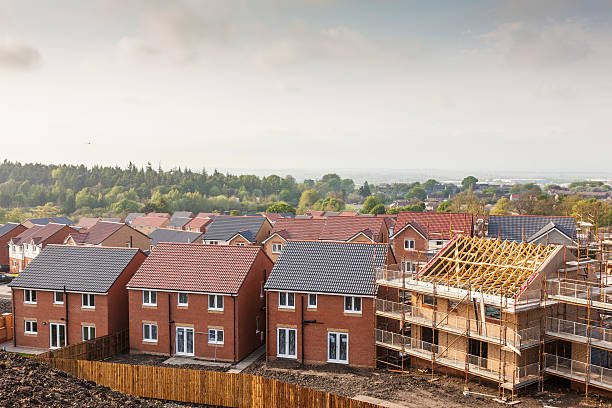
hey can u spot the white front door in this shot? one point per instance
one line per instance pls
(184, 341)
(337, 347)
(58, 335)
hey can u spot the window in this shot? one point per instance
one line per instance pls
(277, 248)
(215, 336)
(58, 298)
(89, 333)
(312, 300)
(410, 266)
(88, 301)
(337, 347)
(286, 340)
(149, 298)
(453, 304)
(439, 243)
(240, 243)
(29, 296)
(31, 327)
(493, 312)
(149, 332)
(215, 302)
(429, 300)
(352, 304)
(286, 300)
(261, 290)
(409, 244)
(183, 299)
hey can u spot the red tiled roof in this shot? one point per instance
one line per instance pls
(153, 221)
(206, 215)
(198, 222)
(39, 233)
(195, 267)
(96, 234)
(87, 222)
(437, 225)
(315, 213)
(345, 228)
(299, 229)
(156, 214)
(348, 214)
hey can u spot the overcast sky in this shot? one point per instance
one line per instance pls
(486, 85)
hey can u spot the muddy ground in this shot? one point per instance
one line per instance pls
(414, 390)
(153, 360)
(5, 306)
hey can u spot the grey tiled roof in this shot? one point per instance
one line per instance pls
(224, 228)
(525, 227)
(80, 268)
(170, 235)
(6, 228)
(327, 267)
(56, 220)
(178, 222)
(132, 216)
(181, 214)
(248, 235)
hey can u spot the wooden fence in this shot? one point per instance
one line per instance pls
(176, 384)
(6, 327)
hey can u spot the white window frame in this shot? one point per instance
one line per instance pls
(58, 302)
(150, 338)
(88, 329)
(178, 299)
(240, 244)
(215, 333)
(338, 335)
(28, 295)
(410, 266)
(411, 244)
(215, 302)
(31, 323)
(148, 302)
(316, 300)
(285, 352)
(352, 304)
(277, 248)
(91, 301)
(286, 296)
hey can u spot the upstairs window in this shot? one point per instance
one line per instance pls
(409, 244)
(429, 300)
(312, 300)
(149, 298)
(277, 248)
(286, 300)
(352, 304)
(492, 312)
(215, 302)
(88, 301)
(58, 298)
(29, 296)
(183, 299)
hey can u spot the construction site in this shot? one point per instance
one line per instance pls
(509, 313)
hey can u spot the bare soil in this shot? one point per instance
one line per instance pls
(5, 306)
(154, 360)
(415, 389)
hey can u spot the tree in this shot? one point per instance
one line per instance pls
(369, 203)
(418, 193)
(469, 181)
(364, 190)
(503, 207)
(467, 202)
(378, 209)
(430, 184)
(280, 207)
(526, 201)
(444, 207)
(329, 204)
(307, 200)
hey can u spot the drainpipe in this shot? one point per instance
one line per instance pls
(234, 302)
(14, 314)
(302, 323)
(66, 313)
(267, 328)
(169, 326)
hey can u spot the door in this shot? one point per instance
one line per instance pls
(337, 347)
(58, 335)
(184, 341)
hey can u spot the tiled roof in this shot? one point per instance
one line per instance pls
(150, 221)
(181, 214)
(223, 228)
(196, 268)
(96, 234)
(437, 225)
(525, 227)
(299, 229)
(198, 222)
(6, 228)
(158, 214)
(39, 233)
(111, 220)
(170, 235)
(348, 214)
(56, 220)
(345, 228)
(79, 268)
(206, 215)
(87, 222)
(327, 267)
(132, 216)
(274, 217)
(179, 222)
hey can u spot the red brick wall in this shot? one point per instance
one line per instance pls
(118, 316)
(4, 240)
(420, 243)
(331, 317)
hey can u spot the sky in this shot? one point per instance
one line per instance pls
(517, 85)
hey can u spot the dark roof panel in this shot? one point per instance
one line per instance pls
(524, 228)
(224, 228)
(170, 235)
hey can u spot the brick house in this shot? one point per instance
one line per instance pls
(355, 229)
(149, 223)
(8, 231)
(199, 300)
(286, 229)
(44, 221)
(417, 236)
(24, 247)
(320, 302)
(237, 230)
(72, 293)
(198, 224)
(170, 235)
(110, 234)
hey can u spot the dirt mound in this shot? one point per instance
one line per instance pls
(24, 382)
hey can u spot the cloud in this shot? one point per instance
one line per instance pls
(540, 45)
(15, 54)
(526, 10)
